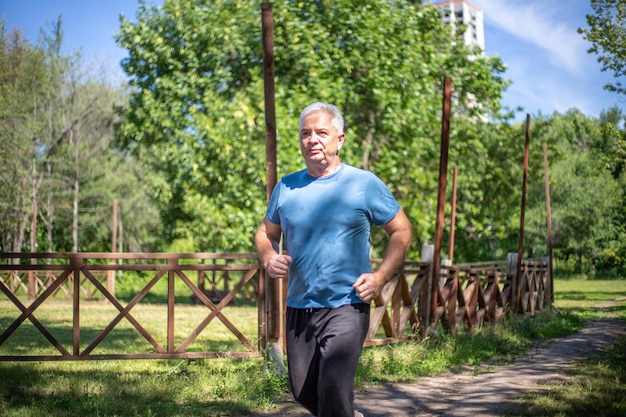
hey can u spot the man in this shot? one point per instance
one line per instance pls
(325, 213)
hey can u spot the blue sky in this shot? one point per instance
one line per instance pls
(546, 58)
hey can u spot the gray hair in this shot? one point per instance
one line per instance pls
(334, 111)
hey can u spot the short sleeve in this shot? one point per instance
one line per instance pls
(272, 212)
(383, 206)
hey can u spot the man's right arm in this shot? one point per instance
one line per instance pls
(267, 241)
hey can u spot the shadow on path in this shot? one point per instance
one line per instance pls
(487, 394)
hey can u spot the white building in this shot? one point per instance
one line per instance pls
(462, 12)
(463, 15)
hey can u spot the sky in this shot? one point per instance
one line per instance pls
(546, 59)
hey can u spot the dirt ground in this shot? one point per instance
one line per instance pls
(487, 394)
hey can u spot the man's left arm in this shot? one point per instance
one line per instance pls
(368, 286)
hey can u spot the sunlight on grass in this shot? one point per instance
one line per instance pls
(597, 388)
(96, 315)
(598, 385)
(229, 387)
(591, 299)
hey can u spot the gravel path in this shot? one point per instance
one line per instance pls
(486, 394)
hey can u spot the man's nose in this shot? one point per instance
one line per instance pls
(315, 137)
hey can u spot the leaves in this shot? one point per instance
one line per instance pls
(607, 32)
(197, 110)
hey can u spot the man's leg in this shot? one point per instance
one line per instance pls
(302, 358)
(341, 333)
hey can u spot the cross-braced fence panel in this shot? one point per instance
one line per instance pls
(169, 314)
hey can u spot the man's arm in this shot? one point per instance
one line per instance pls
(399, 229)
(267, 241)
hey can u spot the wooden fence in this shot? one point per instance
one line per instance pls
(80, 275)
(466, 297)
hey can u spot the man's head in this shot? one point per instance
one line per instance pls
(320, 106)
(321, 137)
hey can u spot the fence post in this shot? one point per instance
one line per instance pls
(76, 264)
(511, 272)
(443, 272)
(549, 284)
(425, 307)
(171, 300)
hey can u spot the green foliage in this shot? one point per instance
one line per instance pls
(606, 32)
(196, 112)
(57, 122)
(188, 165)
(587, 193)
(489, 161)
(24, 88)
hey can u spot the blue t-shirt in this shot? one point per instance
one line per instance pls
(326, 224)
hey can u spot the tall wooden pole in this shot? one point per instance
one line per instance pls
(520, 247)
(269, 91)
(275, 288)
(549, 219)
(441, 195)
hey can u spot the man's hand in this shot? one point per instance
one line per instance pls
(278, 265)
(267, 241)
(368, 286)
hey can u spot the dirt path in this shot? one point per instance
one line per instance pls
(487, 394)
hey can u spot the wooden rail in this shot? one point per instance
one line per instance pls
(467, 296)
(74, 271)
(401, 307)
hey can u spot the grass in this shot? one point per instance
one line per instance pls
(237, 387)
(489, 347)
(597, 386)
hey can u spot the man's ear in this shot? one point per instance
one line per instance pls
(341, 140)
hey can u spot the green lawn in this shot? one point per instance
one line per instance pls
(229, 387)
(598, 385)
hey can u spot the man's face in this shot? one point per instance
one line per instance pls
(319, 140)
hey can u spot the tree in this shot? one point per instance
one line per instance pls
(489, 158)
(57, 164)
(607, 34)
(586, 198)
(584, 219)
(24, 86)
(196, 112)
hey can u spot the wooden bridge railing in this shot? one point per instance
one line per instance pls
(468, 296)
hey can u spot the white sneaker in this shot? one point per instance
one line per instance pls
(358, 414)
